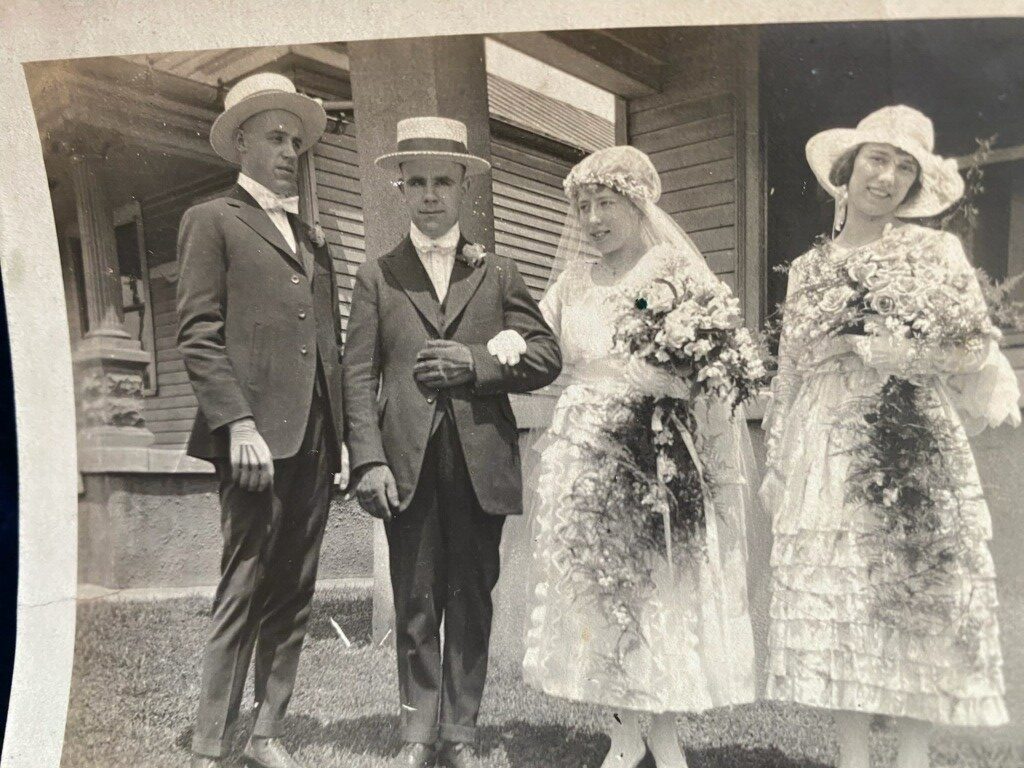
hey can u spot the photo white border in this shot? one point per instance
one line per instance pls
(30, 263)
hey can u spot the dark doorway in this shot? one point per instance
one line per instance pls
(968, 76)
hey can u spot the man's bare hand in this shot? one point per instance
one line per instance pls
(377, 492)
(252, 465)
(443, 363)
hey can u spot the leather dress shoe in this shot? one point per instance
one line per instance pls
(414, 755)
(202, 761)
(268, 753)
(458, 755)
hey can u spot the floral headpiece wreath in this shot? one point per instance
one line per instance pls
(620, 182)
(624, 169)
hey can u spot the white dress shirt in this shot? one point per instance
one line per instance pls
(277, 207)
(437, 257)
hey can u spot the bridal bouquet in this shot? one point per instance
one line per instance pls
(650, 478)
(693, 330)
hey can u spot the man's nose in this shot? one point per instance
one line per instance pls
(289, 152)
(430, 192)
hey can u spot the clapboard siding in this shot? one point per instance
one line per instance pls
(692, 142)
(529, 208)
(529, 212)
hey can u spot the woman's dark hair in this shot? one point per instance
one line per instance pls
(842, 170)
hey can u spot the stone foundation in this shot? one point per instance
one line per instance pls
(152, 530)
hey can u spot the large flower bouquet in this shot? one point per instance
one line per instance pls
(642, 501)
(909, 462)
(907, 291)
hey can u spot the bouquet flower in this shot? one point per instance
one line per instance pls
(906, 290)
(643, 500)
(694, 330)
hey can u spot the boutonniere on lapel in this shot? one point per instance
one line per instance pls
(316, 235)
(472, 255)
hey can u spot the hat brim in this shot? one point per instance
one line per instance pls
(310, 113)
(941, 183)
(474, 165)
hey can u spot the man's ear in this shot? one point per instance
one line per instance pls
(239, 139)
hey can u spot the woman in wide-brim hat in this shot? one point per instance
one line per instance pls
(839, 639)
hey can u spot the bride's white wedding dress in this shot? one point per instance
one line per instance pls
(697, 651)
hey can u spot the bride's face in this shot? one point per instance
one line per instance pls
(609, 220)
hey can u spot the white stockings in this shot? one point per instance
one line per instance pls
(628, 746)
(854, 746)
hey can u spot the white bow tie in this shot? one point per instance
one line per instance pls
(286, 204)
(435, 249)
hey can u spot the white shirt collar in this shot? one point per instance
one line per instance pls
(449, 239)
(266, 198)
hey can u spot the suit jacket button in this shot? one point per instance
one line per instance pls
(302, 314)
(295, 279)
(304, 350)
(430, 398)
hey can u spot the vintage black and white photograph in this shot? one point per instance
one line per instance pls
(589, 398)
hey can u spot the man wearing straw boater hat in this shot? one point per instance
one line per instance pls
(260, 335)
(432, 439)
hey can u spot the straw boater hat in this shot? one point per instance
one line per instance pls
(433, 137)
(906, 129)
(258, 93)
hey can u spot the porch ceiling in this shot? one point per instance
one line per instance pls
(626, 62)
(131, 171)
(321, 69)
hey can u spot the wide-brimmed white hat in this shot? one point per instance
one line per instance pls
(433, 137)
(906, 129)
(258, 93)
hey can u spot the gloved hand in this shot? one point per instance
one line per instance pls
(252, 465)
(508, 346)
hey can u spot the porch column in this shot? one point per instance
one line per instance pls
(99, 250)
(109, 363)
(392, 80)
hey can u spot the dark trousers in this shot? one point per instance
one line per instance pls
(444, 563)
(268, 573)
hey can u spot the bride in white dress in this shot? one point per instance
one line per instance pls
(696, 650)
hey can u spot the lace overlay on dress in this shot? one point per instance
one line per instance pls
(699, 649)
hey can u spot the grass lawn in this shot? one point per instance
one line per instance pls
(136, 676)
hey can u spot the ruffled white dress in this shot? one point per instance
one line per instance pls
(827, 646)
(698, 649)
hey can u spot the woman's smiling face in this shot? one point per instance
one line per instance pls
(881, 178)
(609, 220)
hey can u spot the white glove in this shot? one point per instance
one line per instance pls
(884, 352)
(508, 346)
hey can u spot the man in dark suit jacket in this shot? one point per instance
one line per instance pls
(432, 438)
(260, 335)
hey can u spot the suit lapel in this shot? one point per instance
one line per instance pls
(464, 282)
(307, 257)
(250, 213)
(406, 268)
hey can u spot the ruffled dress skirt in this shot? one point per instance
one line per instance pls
(828, 646)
